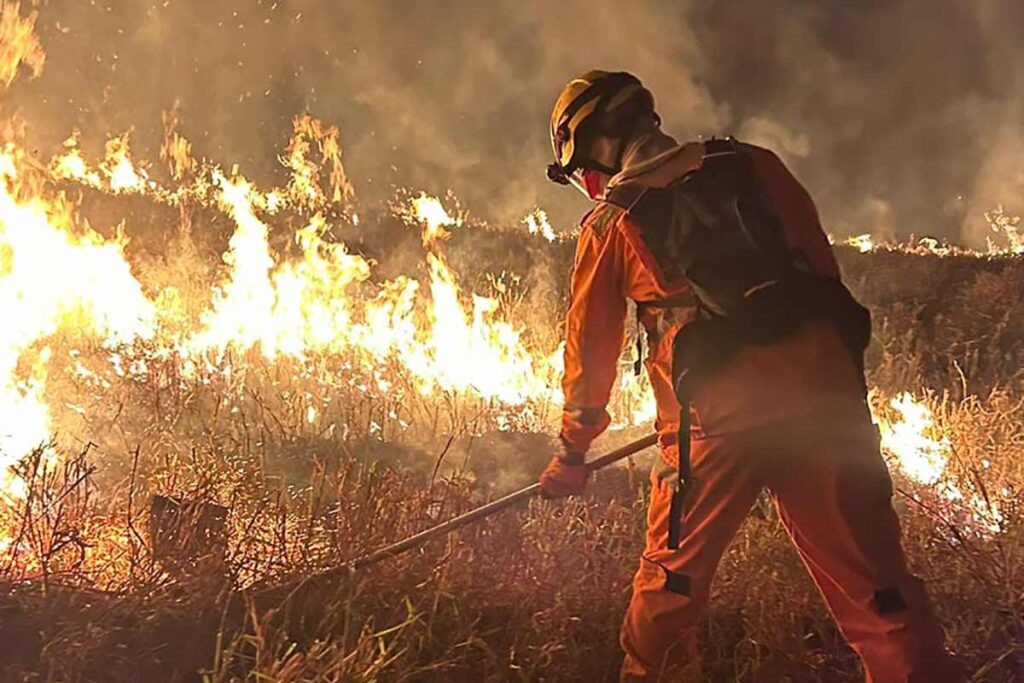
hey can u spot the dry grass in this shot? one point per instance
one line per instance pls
(531, 595)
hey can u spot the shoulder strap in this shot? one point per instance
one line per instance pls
(601, 217)
(625, 196)
(720, 146)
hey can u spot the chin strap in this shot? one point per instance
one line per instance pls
(620, 155)
(625, 141)
(611, 171)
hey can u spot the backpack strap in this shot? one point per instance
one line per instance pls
(601, 218)
(625, 196)
(716, 147)
(651, 210)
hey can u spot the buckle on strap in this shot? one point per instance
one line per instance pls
(716, 147)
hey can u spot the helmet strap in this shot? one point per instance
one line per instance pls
(611, 170)
(621, 154)
(607, 170)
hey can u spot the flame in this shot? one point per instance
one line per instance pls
(921, 454)
(197, 181)
(863, 243)
(471, 350)
(538, 224)
(867, 243)
(117, 165)
(18, 42)
(52, 278)
(241, 311)
(1007, 227)
(638, 405)
(435, 219)
(176, 151)
(460, 344)
(72, 165)
(305, 183)
(116, 174)
(935, 247)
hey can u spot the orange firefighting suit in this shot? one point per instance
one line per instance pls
(790, 417)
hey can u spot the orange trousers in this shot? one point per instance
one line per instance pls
(833, 493)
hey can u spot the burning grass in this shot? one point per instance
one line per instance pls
(224, 386)
(531, 595)
(276, 465)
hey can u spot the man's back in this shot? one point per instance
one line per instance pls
(619, 258)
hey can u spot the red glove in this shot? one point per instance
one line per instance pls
(565, 475)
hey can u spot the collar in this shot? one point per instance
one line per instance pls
(664, 168)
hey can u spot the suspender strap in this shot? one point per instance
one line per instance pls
(677, 511)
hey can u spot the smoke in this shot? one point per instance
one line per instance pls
(911, 108)
(902, 116)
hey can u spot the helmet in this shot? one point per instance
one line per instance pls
(593, 103)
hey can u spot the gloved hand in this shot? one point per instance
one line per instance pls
(565, 475)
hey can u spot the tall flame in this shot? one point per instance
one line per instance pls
(469, 349)
(18, 42)
(242, 308)
(52, 278)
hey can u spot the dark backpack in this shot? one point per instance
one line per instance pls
(718, 229)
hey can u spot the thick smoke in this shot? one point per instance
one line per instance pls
(902, 116)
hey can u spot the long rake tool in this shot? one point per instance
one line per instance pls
(480, 513)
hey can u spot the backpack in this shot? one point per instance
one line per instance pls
(718, 229)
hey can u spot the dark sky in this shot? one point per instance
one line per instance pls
(902, 116)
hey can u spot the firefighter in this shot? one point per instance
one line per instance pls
(754, 352)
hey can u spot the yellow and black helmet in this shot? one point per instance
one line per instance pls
(583, 109)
